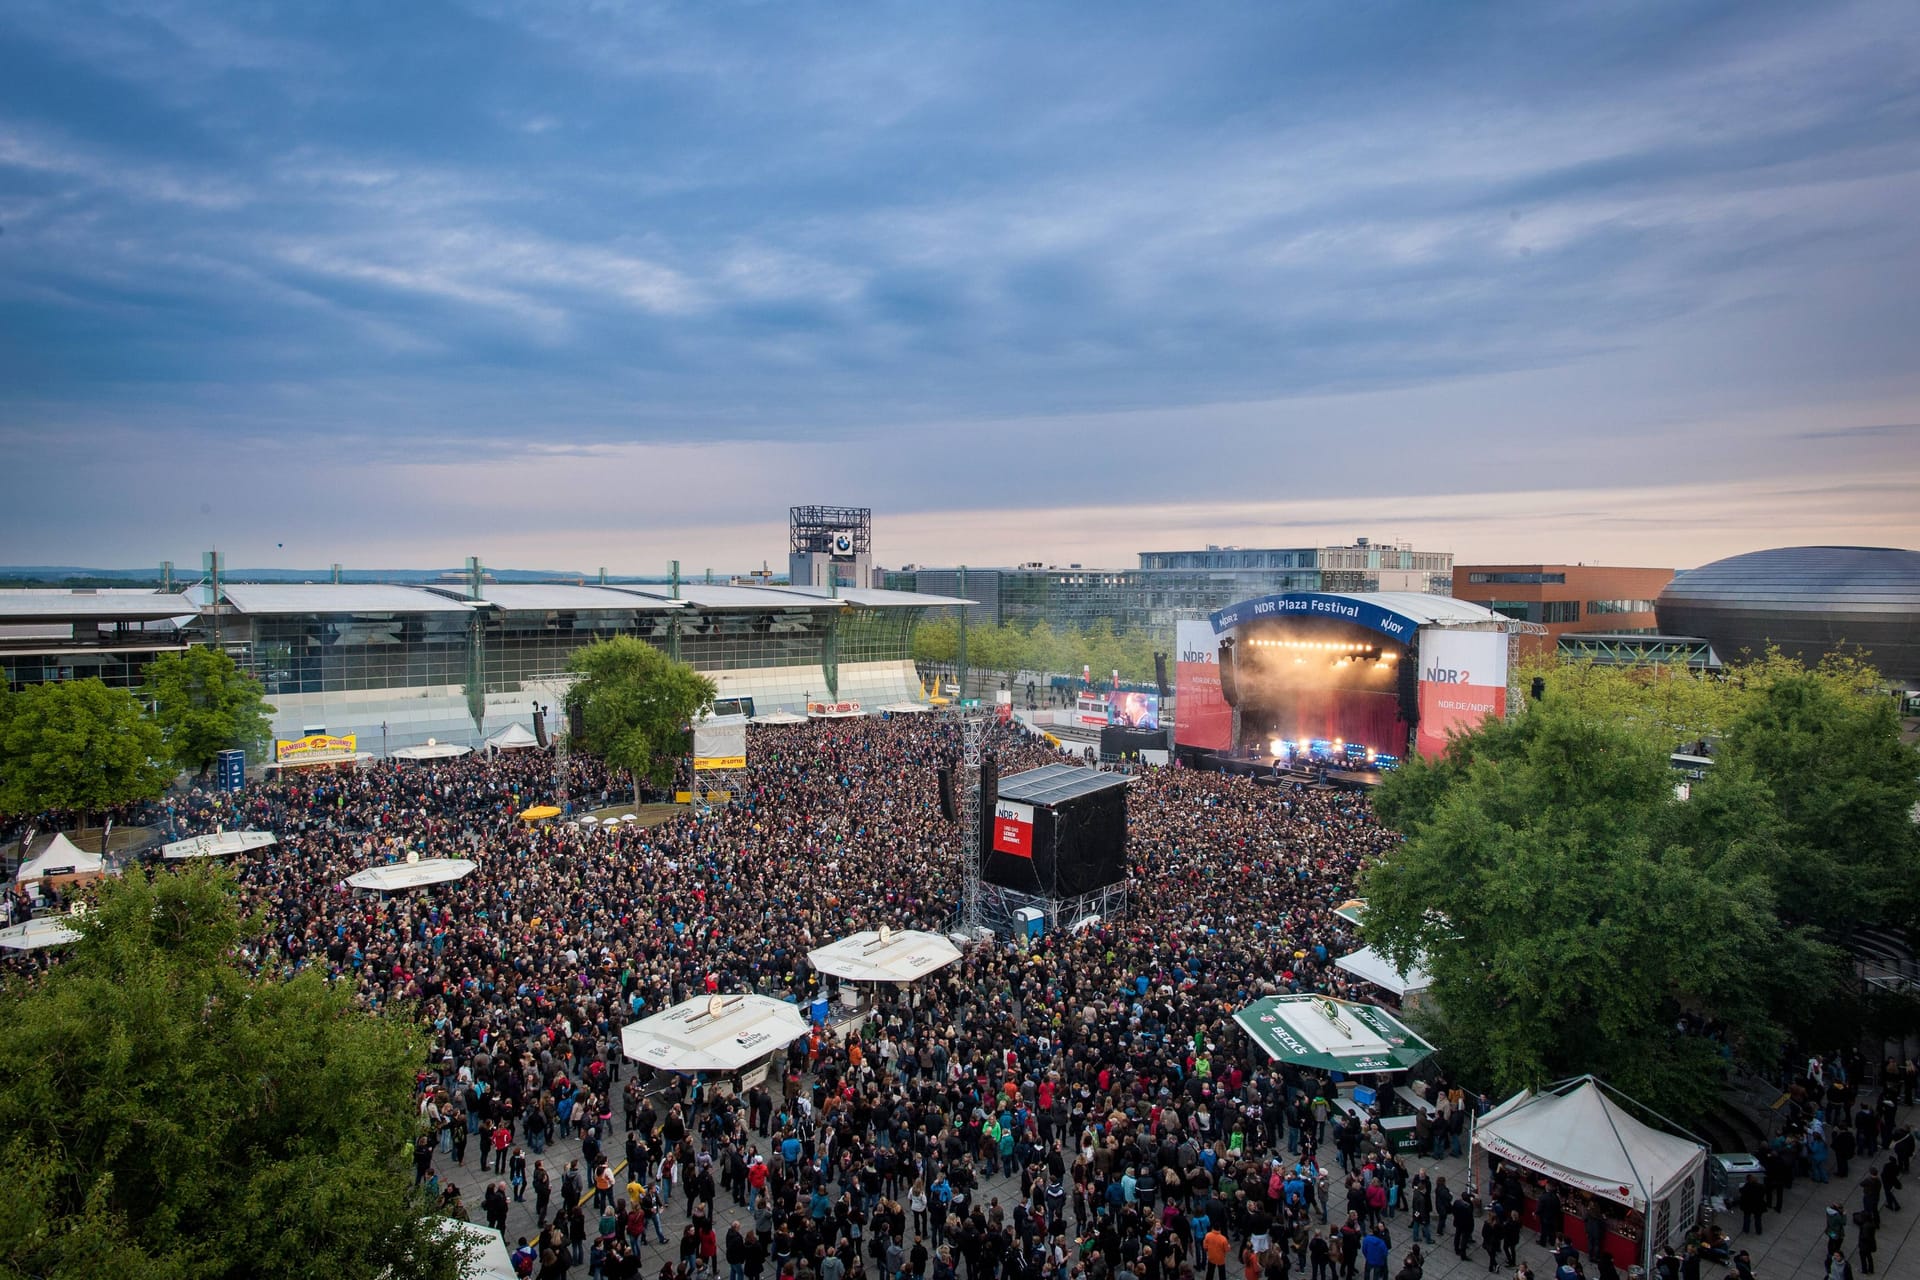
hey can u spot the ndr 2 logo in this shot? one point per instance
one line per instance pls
(1446, 675)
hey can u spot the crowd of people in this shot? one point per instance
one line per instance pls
(1097, 1071)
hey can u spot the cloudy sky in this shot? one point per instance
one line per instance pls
(570, 283)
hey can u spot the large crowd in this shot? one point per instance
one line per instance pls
(1100, 1067)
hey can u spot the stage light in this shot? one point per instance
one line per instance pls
(1338, 742)
(1274, 746)
(1372, 755)
(1299, 660)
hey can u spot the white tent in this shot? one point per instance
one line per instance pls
(489, 1259)
(431, 749)
(412, 875)
(1370, 966)
(778, 717)
(1576, 1134)
(884, 956)
(515, 737)
(906, 708)
(713, 1033)
(42, 931)
(218, 845)
(62, 857)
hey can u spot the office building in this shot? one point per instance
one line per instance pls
(1566, 599)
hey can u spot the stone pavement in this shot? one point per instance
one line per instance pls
(1791, 1247)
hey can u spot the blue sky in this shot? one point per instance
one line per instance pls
(573, 282)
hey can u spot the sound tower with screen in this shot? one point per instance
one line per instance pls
(1058, 832)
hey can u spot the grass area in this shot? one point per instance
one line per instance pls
(648, 815)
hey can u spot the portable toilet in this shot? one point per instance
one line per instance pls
(819, 1011)
(1029, 922)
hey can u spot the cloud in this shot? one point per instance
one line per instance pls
(995, 259)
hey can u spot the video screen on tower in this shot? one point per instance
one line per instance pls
(1134, 710)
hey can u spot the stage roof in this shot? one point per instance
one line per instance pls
(1396, 614)
(105, 605)
(1055, 783)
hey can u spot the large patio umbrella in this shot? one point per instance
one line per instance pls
(1353, 911)
(540, 813)
(412, 874)
(713, 1033)
(41, 931)
(1325, 1034)
(217, 844)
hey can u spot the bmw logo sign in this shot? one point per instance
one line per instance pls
(842, 543)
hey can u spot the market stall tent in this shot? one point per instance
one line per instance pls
(713, 1033)
(884, 955)
(62, 858)
(1575, 1133)
(1370, 966)
(515, 737)
(218, 845)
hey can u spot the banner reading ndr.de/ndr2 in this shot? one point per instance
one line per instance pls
(1463, 680)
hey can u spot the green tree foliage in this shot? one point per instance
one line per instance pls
(636, 704)
(1572, 910)
(1844, 786)
(79, 747)
(169, 1117)
(204, 704)
(1009, 648)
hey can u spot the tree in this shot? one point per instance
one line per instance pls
(77, 746)
(1845, 787)
(1573, 911)
(169, 1116)
(204, 704)
(635, 704)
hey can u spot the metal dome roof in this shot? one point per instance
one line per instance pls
(1808, 601)
(1852, 579)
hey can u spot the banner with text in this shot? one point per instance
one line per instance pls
(1463, 680)
(1202, 717)
(315, 746)
(1013, 828)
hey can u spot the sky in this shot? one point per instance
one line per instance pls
(579, 283)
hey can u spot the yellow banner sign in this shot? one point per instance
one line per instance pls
(314, 745)
(711, 763)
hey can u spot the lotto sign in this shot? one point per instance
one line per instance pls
(1013, 828)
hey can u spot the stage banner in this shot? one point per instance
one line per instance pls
(1463, 680)
(719, 744)
(1202, 717)
(1013, 828)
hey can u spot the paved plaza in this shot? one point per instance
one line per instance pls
(1791, 1245)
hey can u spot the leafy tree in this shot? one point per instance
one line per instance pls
(167, 1116)
(937, 640)
(204, 704)
(77, 746)
(1845, 786)
(1573, 911)
(636, 704)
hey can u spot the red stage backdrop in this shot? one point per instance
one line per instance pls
(1202, 716)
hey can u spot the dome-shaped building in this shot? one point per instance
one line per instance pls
(1808, 601)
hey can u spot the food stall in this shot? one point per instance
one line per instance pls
(873, 956)
(1579, 1137)
(1321, 1033)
